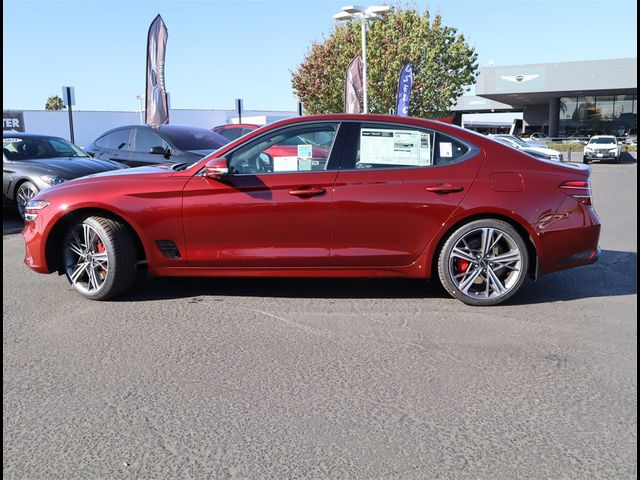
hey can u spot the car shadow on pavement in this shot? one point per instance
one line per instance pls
(614, 274)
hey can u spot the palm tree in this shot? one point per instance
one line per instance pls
(54, 102)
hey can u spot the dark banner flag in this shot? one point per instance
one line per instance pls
(353, 86)
(404, 89)
(157, 107)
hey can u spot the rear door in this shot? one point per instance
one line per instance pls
(115, 146)
(397, 186)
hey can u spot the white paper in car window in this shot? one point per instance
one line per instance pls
(395, 147)
(305, 151)
(446, 150)
(285, 164)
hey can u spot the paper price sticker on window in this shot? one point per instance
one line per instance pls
(305, 151)
(446, 149)
(285, 164)
(395, 147)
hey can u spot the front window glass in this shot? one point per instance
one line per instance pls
(297, 149)
(145, 139)
(33, 148)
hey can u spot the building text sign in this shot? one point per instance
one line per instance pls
(13, 120)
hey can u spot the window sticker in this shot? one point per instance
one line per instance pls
(285, 164)
(11, 140)
(305, 151)
(446, 149)
(395, 147)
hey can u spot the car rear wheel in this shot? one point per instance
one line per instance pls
(484, 262)
(25, 192)
(99, 258)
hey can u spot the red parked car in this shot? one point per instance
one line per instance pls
(233, 131)
(368, 196)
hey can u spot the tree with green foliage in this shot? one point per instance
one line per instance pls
(54, 102)
(443, 65)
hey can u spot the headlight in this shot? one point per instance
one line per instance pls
(613, 150)
(51, 180)
(29, 215)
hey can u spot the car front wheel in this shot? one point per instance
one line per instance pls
(24, 193)
(99, 258)
(484, 262)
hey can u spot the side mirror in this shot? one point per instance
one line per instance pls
(216, 168)
(158, 150)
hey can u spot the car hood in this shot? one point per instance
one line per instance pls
(70, 167)
(601, 145)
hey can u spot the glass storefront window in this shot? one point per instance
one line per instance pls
(587, 116)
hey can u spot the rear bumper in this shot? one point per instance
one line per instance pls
(570, 247)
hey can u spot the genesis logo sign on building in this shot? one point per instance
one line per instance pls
(528, 79)
(13, 120)
(519, 78)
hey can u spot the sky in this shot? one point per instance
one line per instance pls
(219, 50)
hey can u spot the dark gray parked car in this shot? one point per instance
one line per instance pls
(140, 145)
(32, 162)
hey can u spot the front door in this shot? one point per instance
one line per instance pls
(397, 186)
(274, 208)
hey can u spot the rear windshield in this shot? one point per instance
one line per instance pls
(193, 138)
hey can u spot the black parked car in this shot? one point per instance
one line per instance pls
(32, 162)
(139, 145)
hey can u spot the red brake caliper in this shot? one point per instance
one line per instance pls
(100, 247)
(462, 265)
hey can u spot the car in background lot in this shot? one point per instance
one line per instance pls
(233, 131)
(395, 197)
(602, 147)
(519, 144)
(631, 137)
(539, 139)
(32, 162)
(140, 145)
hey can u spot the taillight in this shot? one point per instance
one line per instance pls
(578, 189)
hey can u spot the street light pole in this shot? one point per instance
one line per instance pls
(374, 12)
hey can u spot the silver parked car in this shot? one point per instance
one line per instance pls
(32, 162)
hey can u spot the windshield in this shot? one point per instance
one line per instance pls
(34, 148)
(603, 140)
(193, 138)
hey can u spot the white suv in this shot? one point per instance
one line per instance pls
(602, 147)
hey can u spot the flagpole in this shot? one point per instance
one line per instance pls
(363, 34)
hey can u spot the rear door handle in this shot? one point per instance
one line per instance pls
(445, 188)
(307, 192)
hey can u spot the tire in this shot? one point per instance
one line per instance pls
(24, 192)
(475, 279)
(585, 160)
(99, 257)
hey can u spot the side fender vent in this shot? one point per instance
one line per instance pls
(168, 248)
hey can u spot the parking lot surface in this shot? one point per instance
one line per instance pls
(243, 378)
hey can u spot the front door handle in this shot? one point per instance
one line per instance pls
(445, 188)
(307, 191)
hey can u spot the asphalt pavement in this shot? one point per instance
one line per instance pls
(257, 378)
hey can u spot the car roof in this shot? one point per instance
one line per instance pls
(604, 136)
(9, 134)
(237, 125)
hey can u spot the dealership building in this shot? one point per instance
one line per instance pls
(559, 99)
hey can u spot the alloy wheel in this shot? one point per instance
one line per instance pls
(25, 193)
(86, 259)
(485, 263)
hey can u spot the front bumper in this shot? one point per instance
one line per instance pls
(600, 156)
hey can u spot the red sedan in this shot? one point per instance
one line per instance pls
(364, 196)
